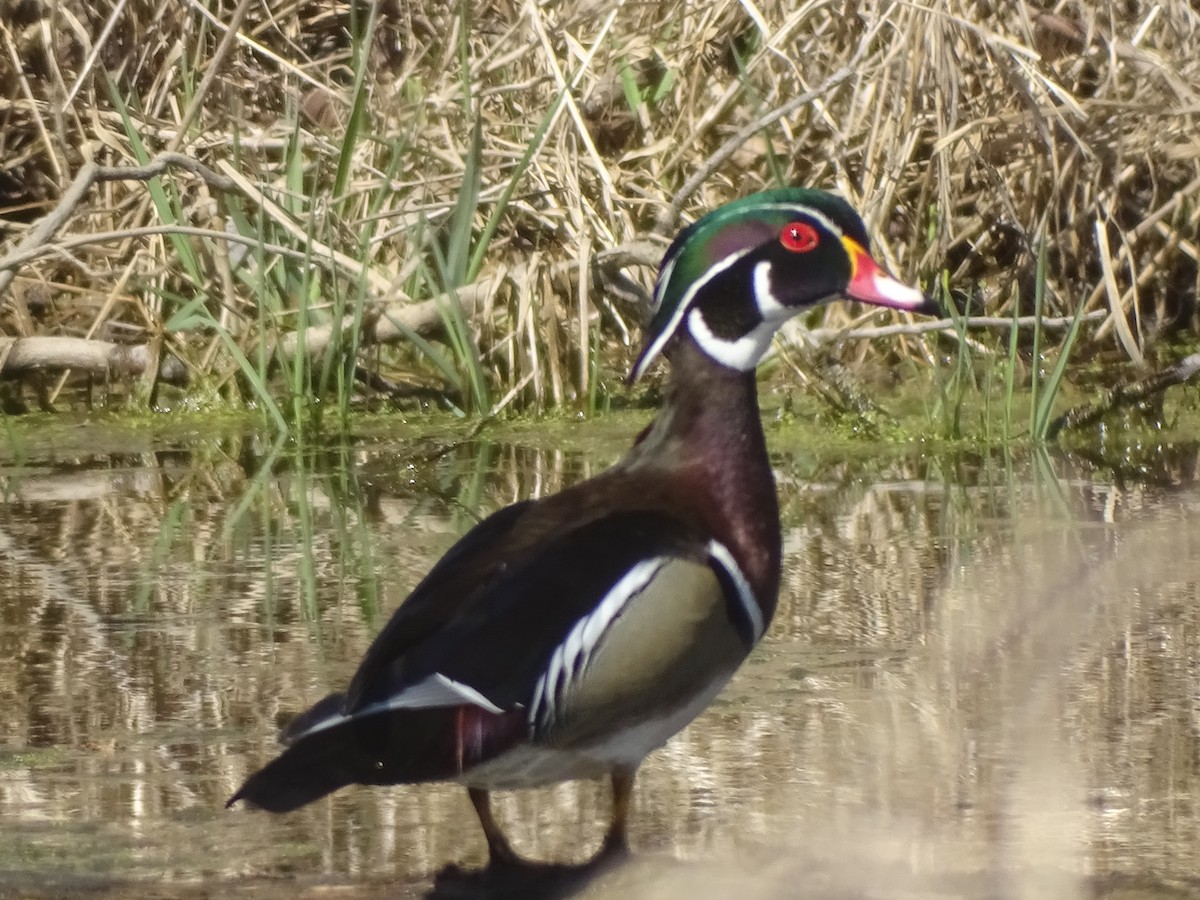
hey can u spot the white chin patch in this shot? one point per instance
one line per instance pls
(746, 352)
(743, 354)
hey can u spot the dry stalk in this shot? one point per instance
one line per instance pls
(965, 132)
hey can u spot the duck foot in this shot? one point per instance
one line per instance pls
(518, 879)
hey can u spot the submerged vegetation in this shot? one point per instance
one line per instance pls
(295, 206)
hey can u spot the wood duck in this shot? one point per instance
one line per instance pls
(568, 637)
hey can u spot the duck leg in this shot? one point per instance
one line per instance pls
(616, 841)
(500, 852)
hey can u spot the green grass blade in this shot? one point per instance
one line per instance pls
(358, 119)
(1010, 373)
(462, 217)
(464, 51)
(629, 86)
(458, 329)
(432, 353)
(1053, 383)
(1039, 301)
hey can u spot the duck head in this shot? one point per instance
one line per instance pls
(729, 280)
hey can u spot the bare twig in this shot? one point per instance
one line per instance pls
(20, 257)
(33, 245)
(836, 335)
(97, 47)
(609, 266)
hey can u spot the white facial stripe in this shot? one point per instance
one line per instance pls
(769, 306)
(663, 278)
(712, 272)
(571, 657)
(743, 354)
(720, 554)
(825, 221)
(802, 210)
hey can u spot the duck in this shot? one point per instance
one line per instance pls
(569, 636)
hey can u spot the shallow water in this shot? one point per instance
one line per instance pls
(983, 679)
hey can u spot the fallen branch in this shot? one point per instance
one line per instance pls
(19, 356)
(1126, 395)
(390, 323)
(382, 324)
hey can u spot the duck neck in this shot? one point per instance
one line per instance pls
(710, 434)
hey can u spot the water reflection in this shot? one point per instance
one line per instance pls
(983, 680)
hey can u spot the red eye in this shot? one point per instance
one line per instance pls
(799, 237)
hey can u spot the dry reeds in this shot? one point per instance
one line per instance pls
(370, 156)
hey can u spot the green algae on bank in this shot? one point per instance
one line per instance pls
(794, 422)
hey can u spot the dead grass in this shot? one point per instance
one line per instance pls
(965, 132)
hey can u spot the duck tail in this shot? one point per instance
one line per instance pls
(329, 750)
